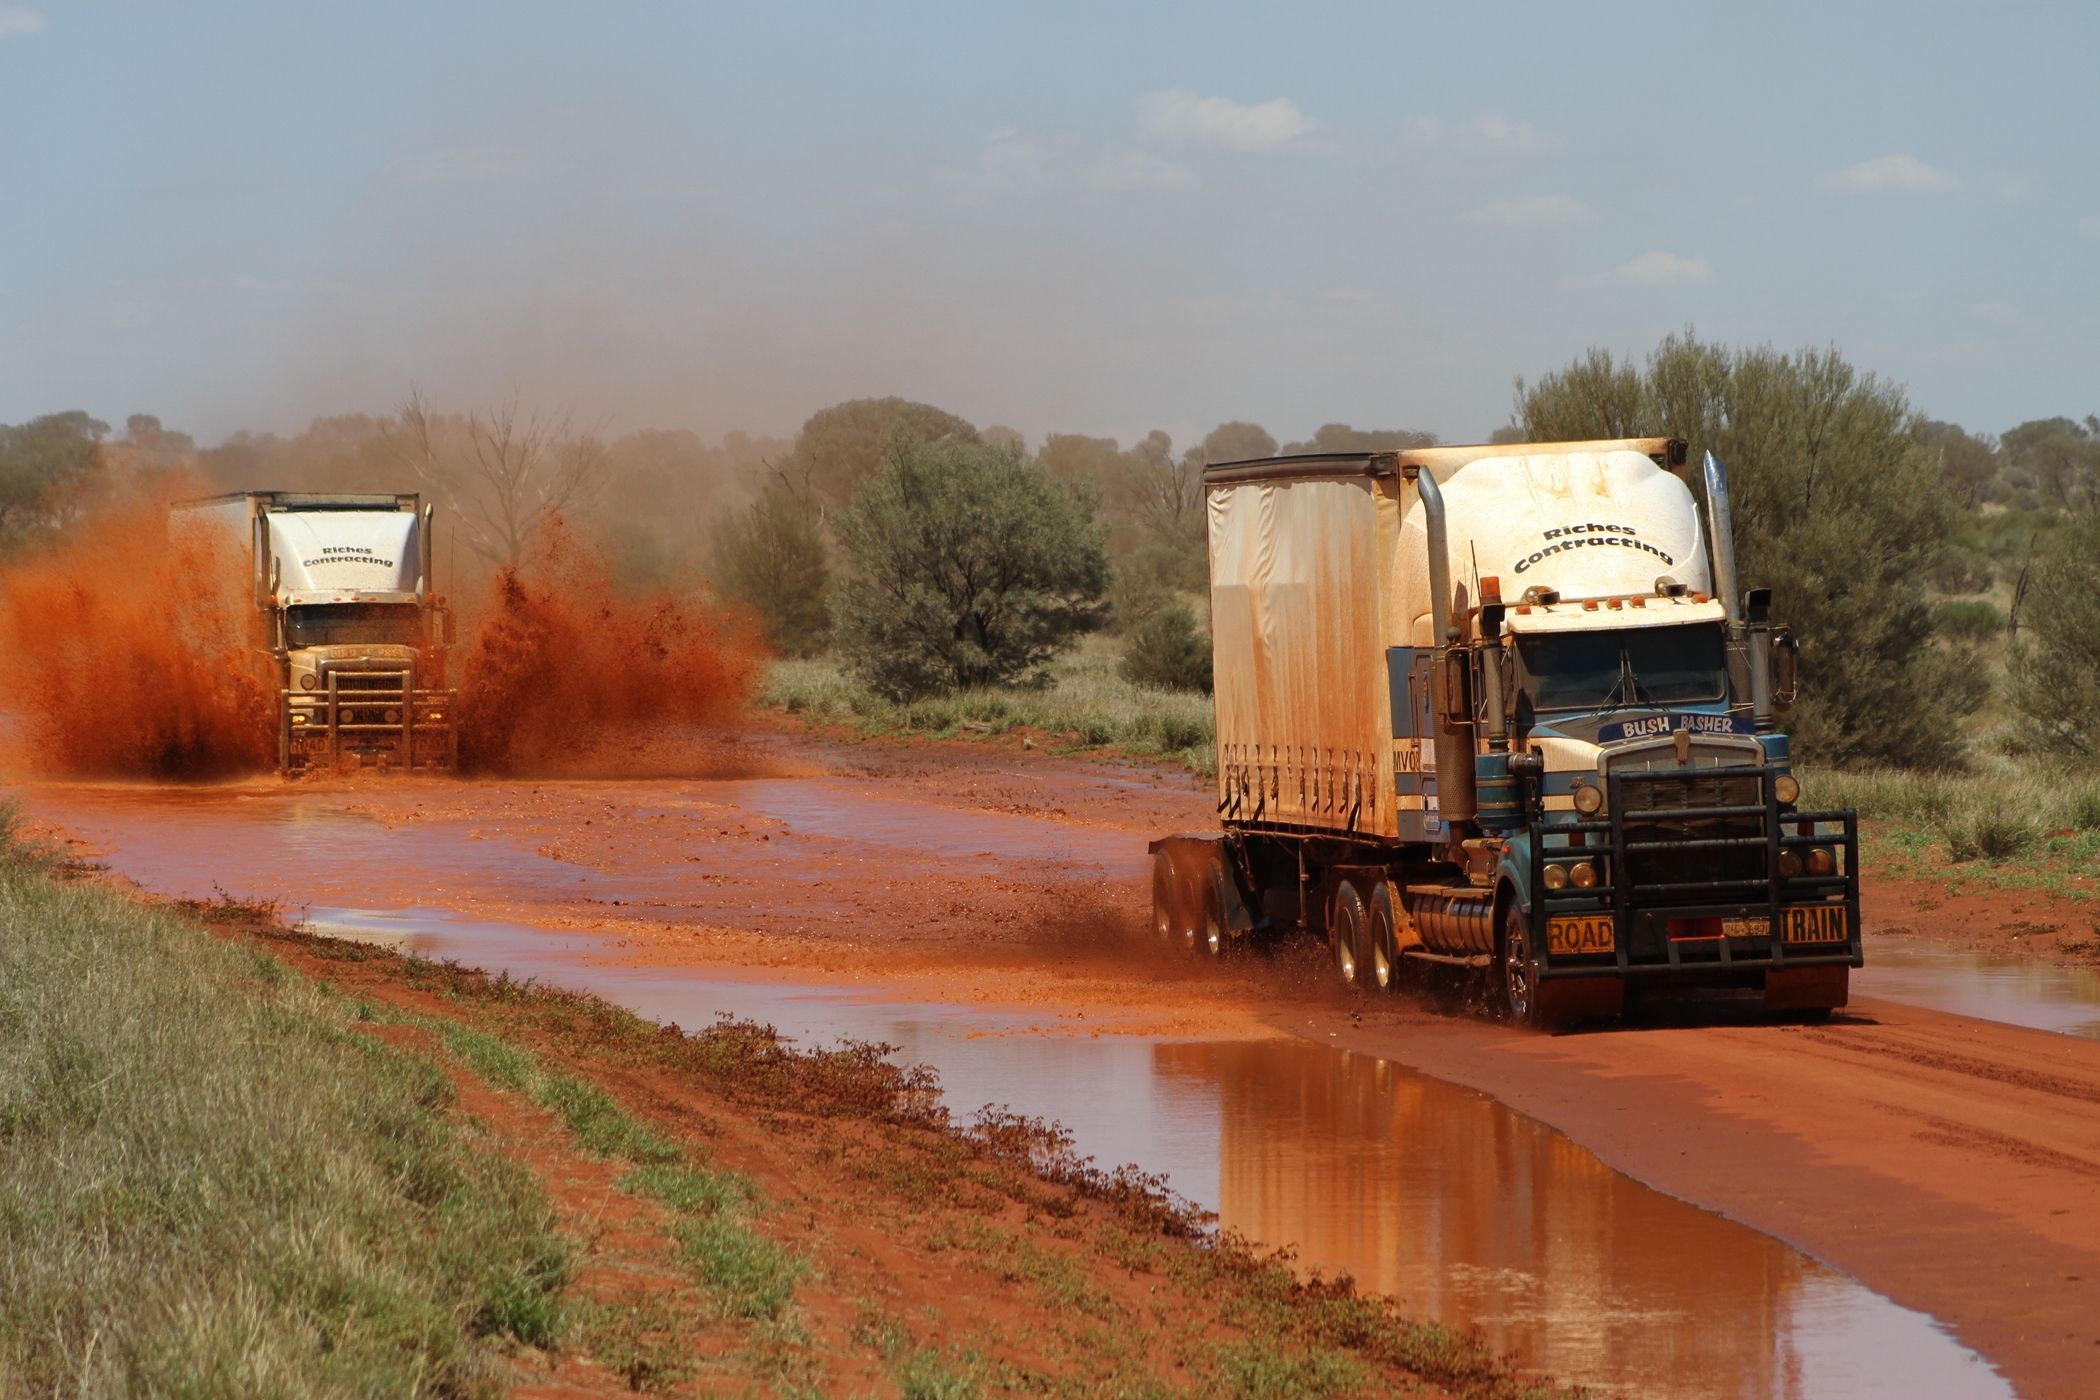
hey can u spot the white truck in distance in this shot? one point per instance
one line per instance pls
(356, 634)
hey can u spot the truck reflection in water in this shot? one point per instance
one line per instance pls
(1472, 1214)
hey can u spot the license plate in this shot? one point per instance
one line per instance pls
(1815, 923)
(1746, 928)
(1580, 933)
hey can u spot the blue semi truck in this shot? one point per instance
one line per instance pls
(1507, 708)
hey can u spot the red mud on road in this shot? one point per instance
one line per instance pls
(1951, 1164)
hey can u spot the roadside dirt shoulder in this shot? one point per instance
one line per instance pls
(923, 1257)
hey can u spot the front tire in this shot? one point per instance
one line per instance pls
(1519, 965)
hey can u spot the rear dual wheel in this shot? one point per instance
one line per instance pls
(1364, 935)
(1346, 924)
(1186, 911)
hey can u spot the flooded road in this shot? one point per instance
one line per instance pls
(1466, 1212)
(2017, 991)
(667, 895)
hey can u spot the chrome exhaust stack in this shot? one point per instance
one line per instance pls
(1749, 618)
(1454, 729)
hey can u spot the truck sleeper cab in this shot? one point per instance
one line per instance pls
(1579, 788)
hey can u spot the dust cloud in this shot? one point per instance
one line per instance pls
(128, 650)
(564, 675)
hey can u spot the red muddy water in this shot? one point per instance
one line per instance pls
(929, 875)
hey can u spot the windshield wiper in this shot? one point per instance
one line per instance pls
(1628, 686)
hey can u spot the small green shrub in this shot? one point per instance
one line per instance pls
(1970, 619)
(1167, 651)
(1991, 829)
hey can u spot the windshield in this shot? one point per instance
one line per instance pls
(342, 624)
(1640, 666)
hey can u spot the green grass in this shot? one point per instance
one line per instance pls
(212, 1182)
(1086, 705)
(2008, 824)
(749, 1275)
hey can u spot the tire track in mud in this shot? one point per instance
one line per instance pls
(1964, 1066)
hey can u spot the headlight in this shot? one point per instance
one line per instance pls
(1822, 861)
(393, 717)
(1789, 864)
(309, 681)
(1556, 877)
(1788, 789)
(1584, 875)
(1588, 800)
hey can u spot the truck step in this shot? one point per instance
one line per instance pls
(1448, 959)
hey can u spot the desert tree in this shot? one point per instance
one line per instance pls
(2055, 672)
(505, 473)
(840, 445)
(771, 559)
(966, 565)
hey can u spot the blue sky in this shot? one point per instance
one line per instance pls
(1091, 218)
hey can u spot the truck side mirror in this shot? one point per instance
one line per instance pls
(448, 629)
(1786, 669)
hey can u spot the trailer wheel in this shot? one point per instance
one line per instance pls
(1520, 971)
(1384, 968)
(1163, 901)
(1345, 932)
(1210, 924)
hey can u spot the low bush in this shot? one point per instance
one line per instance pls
(1992, 829)
(1167, 651)
(1970, 619)
(1086, 700)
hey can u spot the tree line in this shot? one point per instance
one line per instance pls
(1915, 559)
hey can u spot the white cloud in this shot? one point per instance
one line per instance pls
(1539, 211)
(1660, 269)
(19, 19)
(1006, 164)
(1999, 313)
(2090, 226)
(1899, 174)
(1489, 132)
(1121, 168)
(1180, 116)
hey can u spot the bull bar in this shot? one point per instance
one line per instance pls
(1641, 909)
(355, 719)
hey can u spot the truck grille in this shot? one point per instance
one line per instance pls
(1687, 810)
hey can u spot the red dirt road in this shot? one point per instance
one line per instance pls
(1951, 1164)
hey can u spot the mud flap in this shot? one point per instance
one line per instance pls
(1807, 988)
(1565, 1000)
(1205, 862)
